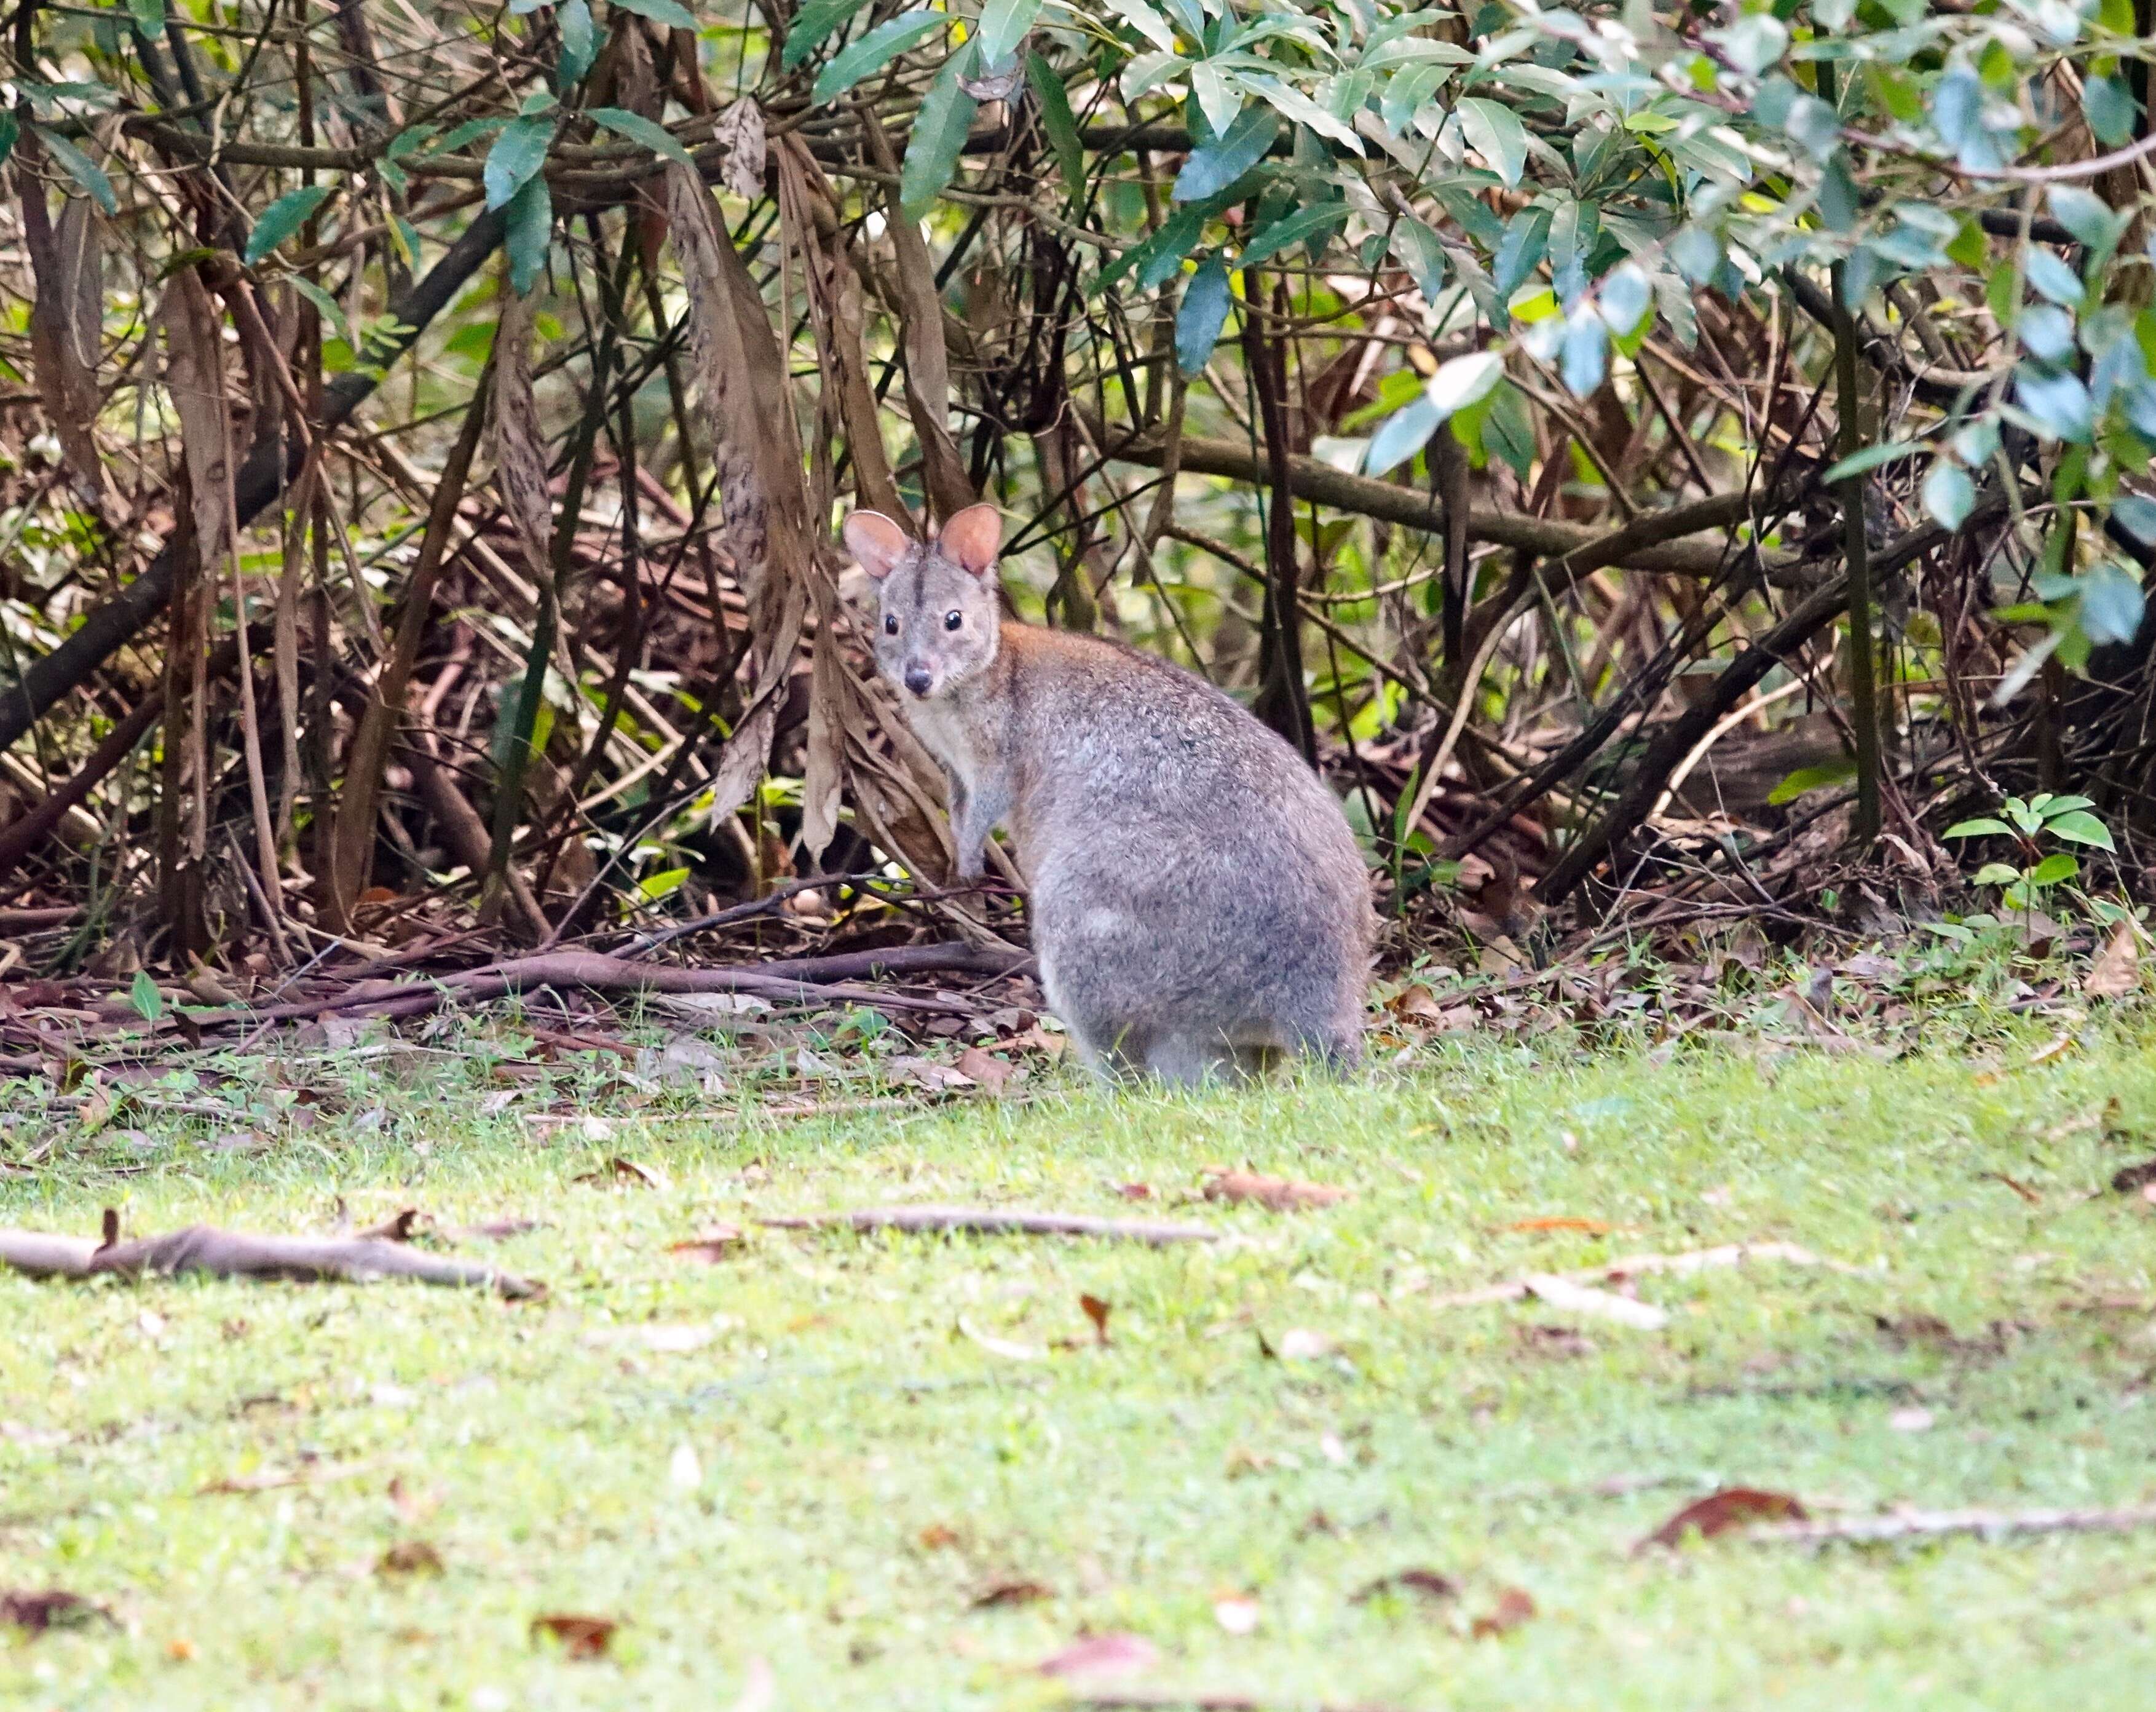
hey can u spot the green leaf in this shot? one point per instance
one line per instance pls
(282, 218)
(2086, 215)
(2060, 805)
(148, 1001)
(1422, 253)
(1870, 458)
(2111, 604)
(649, 132)
(1004, 26)
(939, 134)
(2052, 870)
(11, 131)
(1299, 227)
(1527, 241)
(2111, 110)
(1463, 381)
(81, 168)
(658, 885)
(2047, 274)
(1984, 826)
(149, 16)
(666, 11)
(1213, 168)
(1949, 495)
(530, 234)
(1204, 311)
(1495, 133)
(517, 157)
(1060, 124)
(1806, 779)
(813, 25)
(1406, 431)
(1147, 21)
(332, 310)
(580, 42)
(1299, 108)
(1584, 358)
(874, 51)
(1996, 874)
(2079, 826)
(2058, 404)
(1158, 257)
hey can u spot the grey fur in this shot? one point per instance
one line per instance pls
(1199, 906)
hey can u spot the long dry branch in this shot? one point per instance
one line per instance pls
(1652, 543)
(807, 981)
(204, 1248)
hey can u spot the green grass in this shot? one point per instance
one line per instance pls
(835, 1473)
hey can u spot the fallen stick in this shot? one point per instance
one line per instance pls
(990, 1221)
(599, 972)
(204, 1248)
(1937, 1524)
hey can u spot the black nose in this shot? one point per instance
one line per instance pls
(918, 679)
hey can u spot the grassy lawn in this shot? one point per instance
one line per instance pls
(901, 1470)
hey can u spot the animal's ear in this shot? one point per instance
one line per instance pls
(876, 542)
(973, 539)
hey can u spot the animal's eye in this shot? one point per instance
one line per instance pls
(890, 624)
(953, 621)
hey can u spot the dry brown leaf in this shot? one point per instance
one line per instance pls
(1298, 1343)
(520, 443)
(1719, 1512)
(1426, 1584)
(1593, 1227)
(579, 1637)
(2052, 1050)
(990, 1072)
(2117, 970)
(938, 1536)
(1112, 1654)
(740, 130)
(1515, 1605)
(621, 1171)
(410, 1557)
(50, 1607)
(66, 318)
(2019, 1188)
(400, 1226)
(1003, 1593)
(1279, 1193)
(1135, 1191)
(1097, 1310)
(717, 1243)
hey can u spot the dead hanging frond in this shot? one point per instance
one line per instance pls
(519, 447)
(747, 407)
(741, 130)
(195, 375)
(66, 323)
(918, 308)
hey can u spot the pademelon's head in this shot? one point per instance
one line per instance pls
(937, 619)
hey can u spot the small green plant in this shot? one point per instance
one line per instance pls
(2037, 824)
